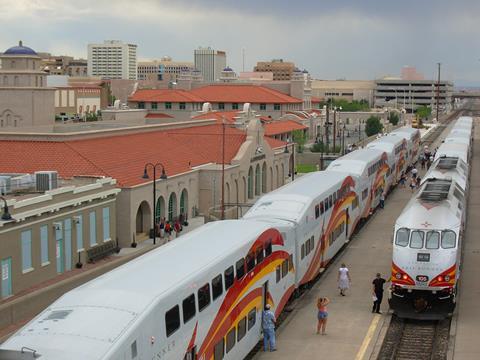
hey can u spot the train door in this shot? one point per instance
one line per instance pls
(264, 294)
(6, 283)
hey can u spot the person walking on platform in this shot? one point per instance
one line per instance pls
(382, 200)
(268, 326)
(322, 314)
(377, 292)
(343, 279)
(414, 172)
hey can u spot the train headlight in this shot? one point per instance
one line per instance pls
(439, 279)
(447, 278)
(405, 277)
(398, 276)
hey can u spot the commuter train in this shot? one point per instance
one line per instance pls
(201, 296)
(428, 234)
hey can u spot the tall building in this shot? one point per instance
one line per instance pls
(158, 69)
(210, 63)
(112, 60)
(64, 65)
(282, 70)
(25, 99)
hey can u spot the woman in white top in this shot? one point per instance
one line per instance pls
(343, 279)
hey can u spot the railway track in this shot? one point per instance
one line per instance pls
(415, 340)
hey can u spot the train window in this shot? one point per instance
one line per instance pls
(364, 194)
(188, 307)
(458, 194)
(355, 202)
(252, 317)
(448, 239)
(250, 260)
(203, 297)
(334, 197)
(278, 273)
(230, 340)
(133, 349)
(322, 210)
(290, 262)
(432, 240)
(229, 277)
(172, 320)
(326, 203)
(268, 247)
(330, 201)
(217, 288)
(241, 328)
(240, 267)
(219, 350)
(402, 237)
(303, 252)
(416, 240)
(259, 255)
(317, 211)
(284, 268)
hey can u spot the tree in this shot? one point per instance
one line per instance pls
(373, 126)
(299, 139)
(393, 118)
(423, 112)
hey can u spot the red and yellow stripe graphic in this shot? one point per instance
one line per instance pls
(446, 278)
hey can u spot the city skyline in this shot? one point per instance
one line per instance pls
(331, 40)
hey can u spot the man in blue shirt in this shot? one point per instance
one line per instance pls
(268, 326)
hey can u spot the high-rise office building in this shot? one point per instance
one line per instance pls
(282, 70)
(112, 60)
(159, 68)
(210, 63)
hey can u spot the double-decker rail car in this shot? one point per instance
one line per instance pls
(396, 149)
(452, 149)
(426, 251)
(412, 136)
(449, 168)
(370, 167)
(323, 208)
(199, 297)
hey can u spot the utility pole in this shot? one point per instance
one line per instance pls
(223, 170)
(327, 119)
(334, 127)
(438, 89)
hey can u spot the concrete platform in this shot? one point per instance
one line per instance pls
(353, 332)
(465, 344)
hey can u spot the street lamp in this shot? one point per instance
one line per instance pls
(163, 176)
(6, 215)
(335, 124)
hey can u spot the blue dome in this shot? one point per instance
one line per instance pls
(228, 69)
(20, 50)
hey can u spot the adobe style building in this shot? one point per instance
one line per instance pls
(25, 99)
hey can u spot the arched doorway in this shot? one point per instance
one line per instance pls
(159, 209)
(258, 180)
(291, 166)
(227, 193)
(271, 178)
(282, 174)
(143, 218)
(184, 203)
(250, 183)
(244, 190)
(172, 207)
(278, 176)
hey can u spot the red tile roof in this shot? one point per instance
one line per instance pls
(317, 100)
(275, 143)
(282, 127)
(219, 116)
(165, 95)
(158, 116)
(123, 157)
(240, 93)
(225, 93)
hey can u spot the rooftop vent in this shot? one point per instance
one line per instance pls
(58, 315)
(435, 190)
(447, 163)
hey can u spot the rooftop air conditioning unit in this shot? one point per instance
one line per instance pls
(46, 180)
(5, 185)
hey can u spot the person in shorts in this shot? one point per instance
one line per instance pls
(322, 314)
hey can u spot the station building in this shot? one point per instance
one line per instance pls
(48, 232)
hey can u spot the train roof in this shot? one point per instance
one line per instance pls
(457, 140)
(403, 131)
(435, 206)
(355, 162)
(118, 298)
(461, 131)
(453, 150)
(386, 143)
(292, 201)
(448, 168)
(465, 120)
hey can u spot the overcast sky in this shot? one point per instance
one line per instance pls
(353, 39)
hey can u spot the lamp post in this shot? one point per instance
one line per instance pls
(6, 215)
(163, 176)
(335, 124)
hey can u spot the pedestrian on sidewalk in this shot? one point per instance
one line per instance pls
(322, 314)
(413, 184)
(382, 200)
(343, 279)
(268, 326)
(403, 180)
(377, 293)
(414, 172)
